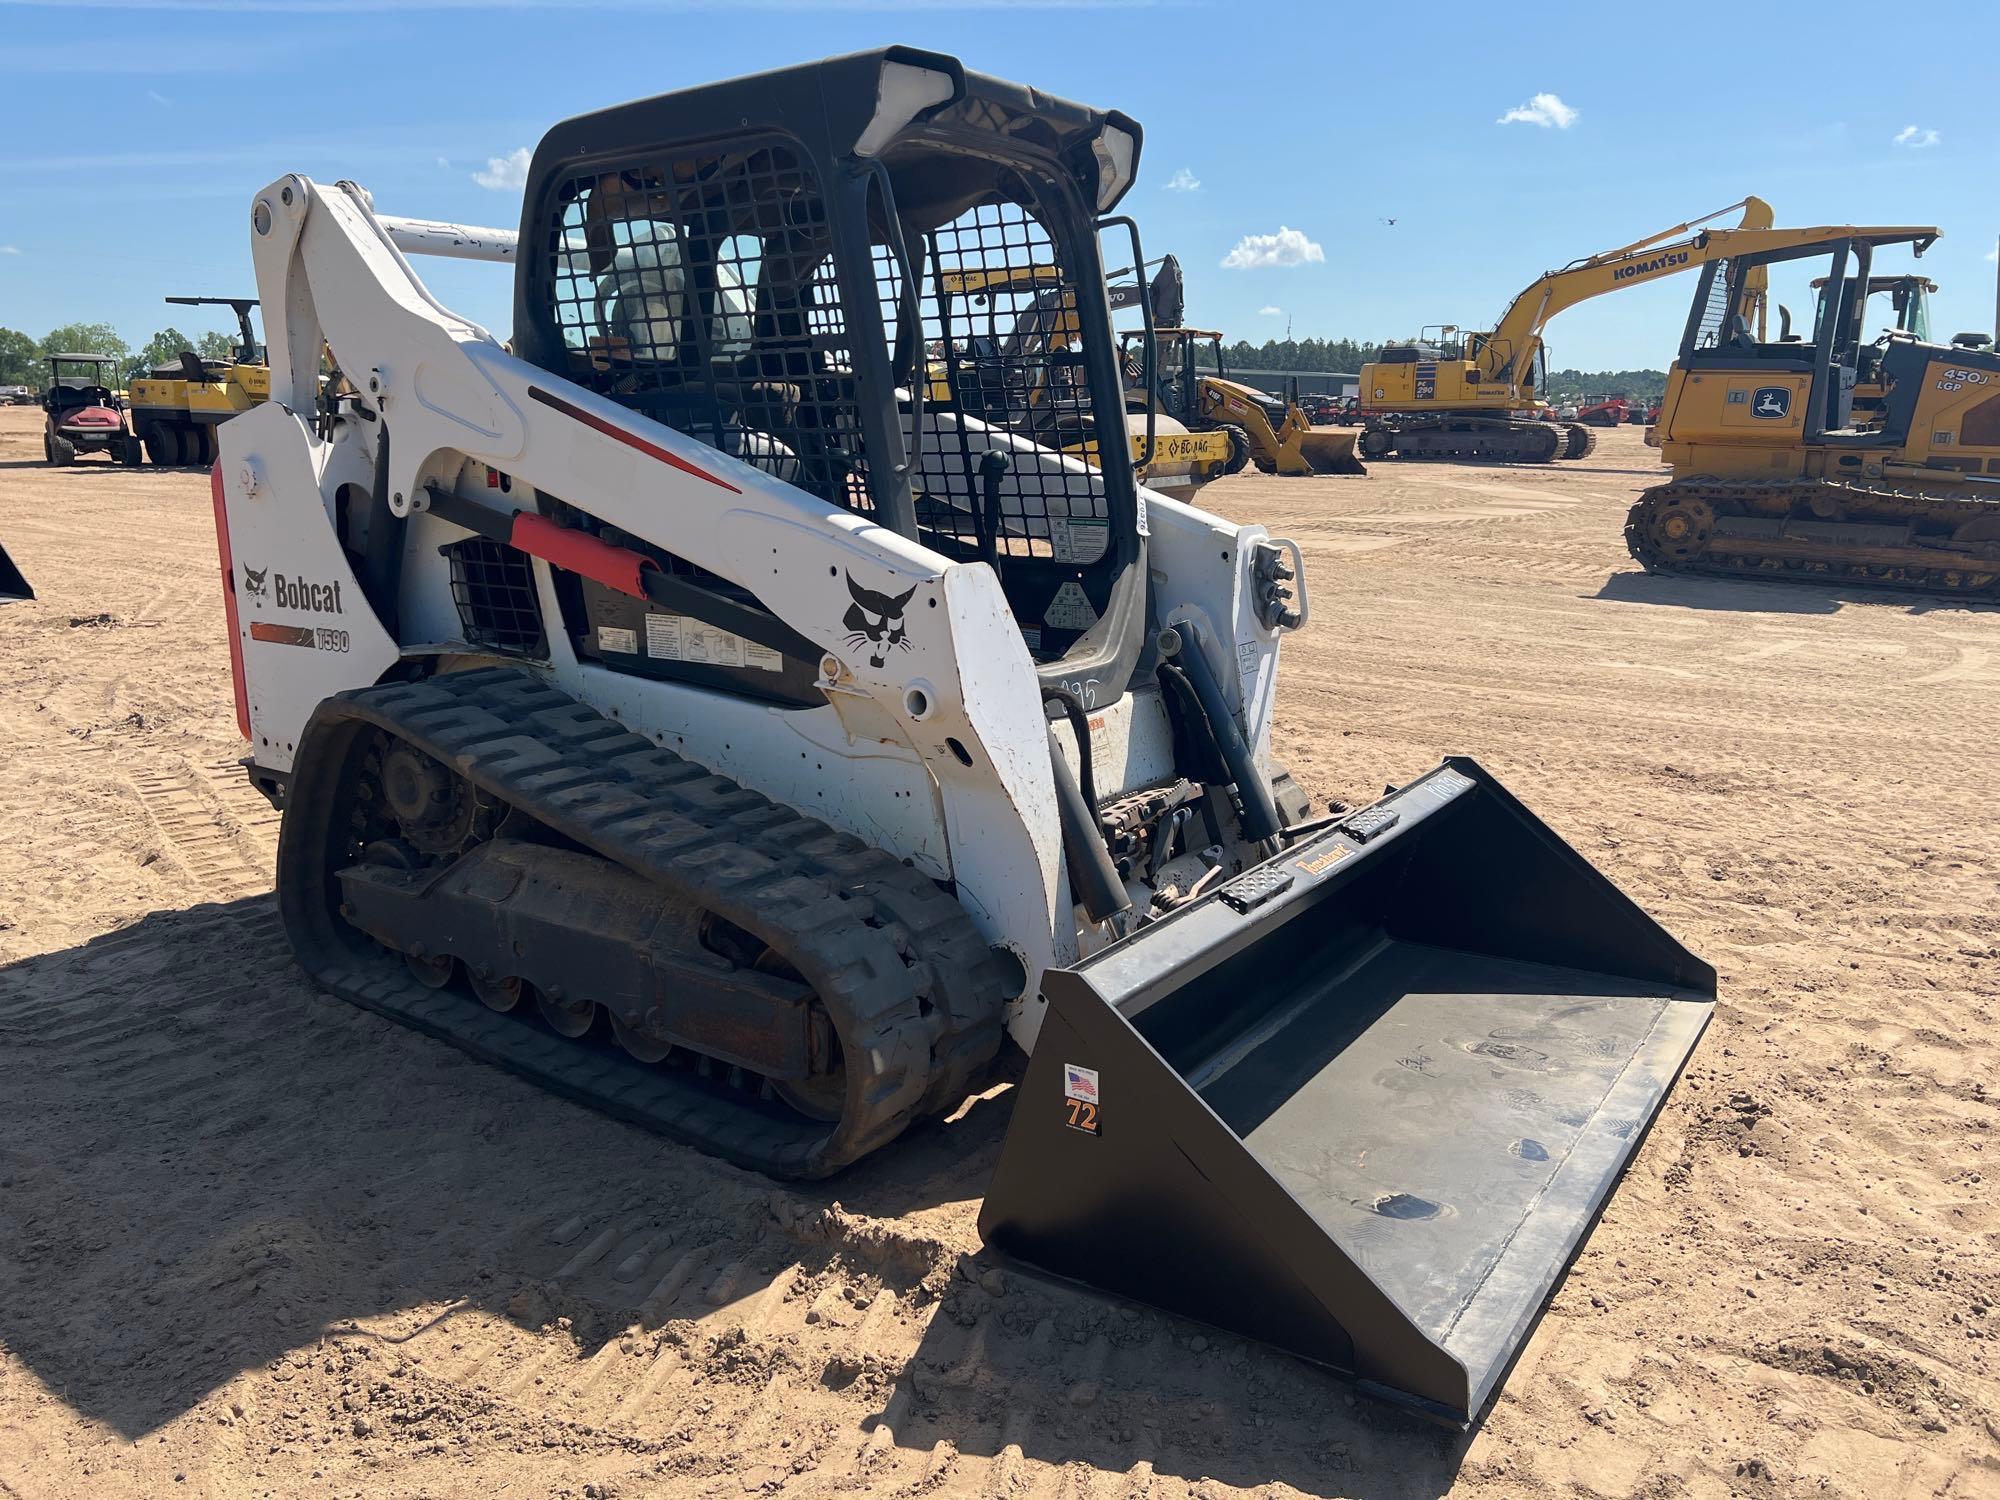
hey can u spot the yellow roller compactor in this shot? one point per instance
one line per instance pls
(1850, 459)
(177, 407)
(1478, 395)
(702, 708)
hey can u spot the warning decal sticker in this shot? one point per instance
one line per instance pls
(683, 638)
(1070, 609)
(1080, 1098)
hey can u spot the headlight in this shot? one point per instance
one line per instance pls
(1116, 153)
(903, 92)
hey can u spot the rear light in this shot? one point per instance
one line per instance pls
(229, 602)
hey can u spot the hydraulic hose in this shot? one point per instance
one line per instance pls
(1093, 879)
(1260, 811)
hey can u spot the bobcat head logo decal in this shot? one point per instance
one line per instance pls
(253, 581)
(876, 621)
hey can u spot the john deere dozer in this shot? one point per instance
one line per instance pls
(696, 708)
(1872, 462)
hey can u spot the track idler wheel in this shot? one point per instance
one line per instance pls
(1669, 529)
(1376, 442)
(1681, 526)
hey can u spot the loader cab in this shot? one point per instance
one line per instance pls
(842, 286)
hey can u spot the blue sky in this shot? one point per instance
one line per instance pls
(1274, 133)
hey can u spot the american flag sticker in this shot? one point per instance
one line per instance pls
(1080, 1083)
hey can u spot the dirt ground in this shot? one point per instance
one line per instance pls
(256, 1242)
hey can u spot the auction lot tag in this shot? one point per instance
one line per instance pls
(1080, 1098)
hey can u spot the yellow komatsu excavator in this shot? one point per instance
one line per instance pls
(1478, 395)
(1873, 462)
(177, 407)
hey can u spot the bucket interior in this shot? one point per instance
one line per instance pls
(1407, 1064)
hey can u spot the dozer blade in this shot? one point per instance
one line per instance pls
(1365, 1100)
(1331, 452)
(13, 585)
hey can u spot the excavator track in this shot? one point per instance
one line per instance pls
(1820, 531)
(1493, 439)
(1580, 441)
(910, 988)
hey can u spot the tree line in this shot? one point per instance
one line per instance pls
(24, 359)
(1347, 356)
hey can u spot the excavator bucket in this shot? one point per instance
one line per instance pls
(1363, 1101)
(1330, 452)
(13, 585)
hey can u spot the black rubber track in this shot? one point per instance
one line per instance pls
(912, 988)
(1952, 574)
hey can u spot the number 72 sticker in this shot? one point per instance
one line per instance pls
(1080, 1098)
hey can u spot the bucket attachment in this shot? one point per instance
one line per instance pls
(1365, 1100)
(13, 586)
(1330, 452)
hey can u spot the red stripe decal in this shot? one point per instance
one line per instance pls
(282, 635)
(229, 600)
(629, 439)
(614, 567)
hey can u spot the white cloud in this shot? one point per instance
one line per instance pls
(1993, 254)
(505, 174)
(1916, 139)
(1288, 247)
(445, 162)
(16, 250)
(159, 98)
(1183, 181)
(1270, 312)
(1544, 110)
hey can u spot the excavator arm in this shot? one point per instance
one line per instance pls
(1508, 353)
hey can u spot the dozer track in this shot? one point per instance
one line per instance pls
(1820, 531)
(569, 817)
(1580, 441)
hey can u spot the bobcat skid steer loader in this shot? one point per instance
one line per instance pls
(689, 707)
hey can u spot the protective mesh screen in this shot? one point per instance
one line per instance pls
(495, 593)
(1005, 347)
(698, 290)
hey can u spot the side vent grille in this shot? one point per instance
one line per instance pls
(494, 588)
